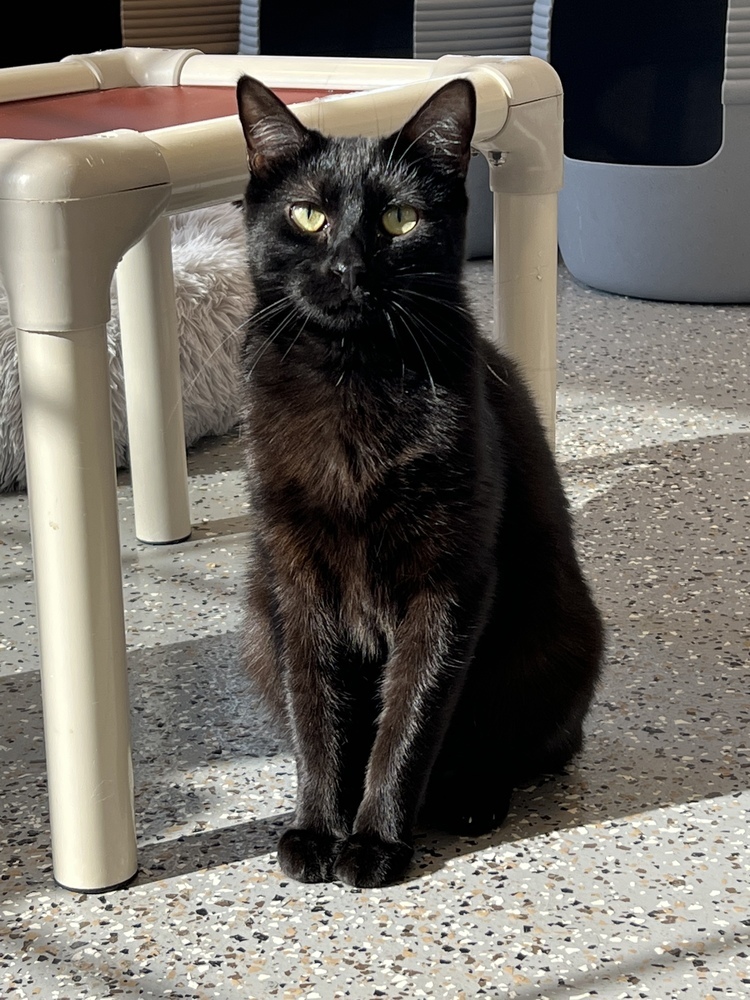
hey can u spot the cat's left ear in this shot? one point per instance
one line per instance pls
(272, 133)
(442, 128)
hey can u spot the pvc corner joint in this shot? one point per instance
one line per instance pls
(69, 209)
(83, 167)
(131, 67)
(526, 153)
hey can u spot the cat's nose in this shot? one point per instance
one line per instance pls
(347, 262)
(350, 272)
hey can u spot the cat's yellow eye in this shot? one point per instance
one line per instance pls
(398, 220)
(307, 217)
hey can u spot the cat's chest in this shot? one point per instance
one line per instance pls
(340, 444)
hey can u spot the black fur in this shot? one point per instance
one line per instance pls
(417, 618)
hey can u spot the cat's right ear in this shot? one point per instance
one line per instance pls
(272, 133)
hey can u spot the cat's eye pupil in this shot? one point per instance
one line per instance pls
(398, 220)
(308, 217)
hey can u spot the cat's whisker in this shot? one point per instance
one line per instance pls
(253, 361)
(409, 269)
(433, 277)
(432, 337)
(395, 338)
(443, 303)
(271, 309)
(436, 276)
(416, 344)
(432, 331)
(294, 341)
(436, 334)
(191, 383)
(273, 336)
(283, 324)
(269, 312)
(431, 286)
(492, 371)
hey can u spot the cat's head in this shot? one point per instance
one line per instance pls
(357, 233)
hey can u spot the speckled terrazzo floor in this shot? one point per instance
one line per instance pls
(626, 878)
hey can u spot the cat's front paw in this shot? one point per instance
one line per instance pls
(307, 855)
(366, 861)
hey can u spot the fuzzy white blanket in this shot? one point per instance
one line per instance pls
(212, 292)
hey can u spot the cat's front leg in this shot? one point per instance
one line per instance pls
(421, 683)
(315, 708)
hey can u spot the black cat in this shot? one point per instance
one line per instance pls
(417, 619)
